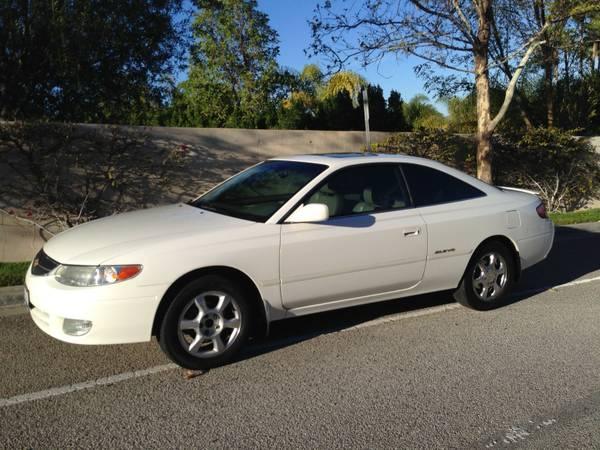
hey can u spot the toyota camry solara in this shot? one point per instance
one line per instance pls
(287, 237)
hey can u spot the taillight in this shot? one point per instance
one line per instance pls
(541, 211)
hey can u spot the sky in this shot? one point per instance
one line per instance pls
(290, 19)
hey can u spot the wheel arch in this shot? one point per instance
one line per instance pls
(508, 243)
(261, 327)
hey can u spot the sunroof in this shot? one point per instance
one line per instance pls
(347, 155)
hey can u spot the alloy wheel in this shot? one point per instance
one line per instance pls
(490, 276)
(209, 324)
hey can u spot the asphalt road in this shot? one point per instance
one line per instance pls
(414, 373)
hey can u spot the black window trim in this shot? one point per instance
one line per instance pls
(320, 184)
(402, 164)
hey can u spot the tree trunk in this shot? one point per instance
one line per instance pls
(567, 73)
(539, 10)
(482, 88)
(548, 55)
(484, 136)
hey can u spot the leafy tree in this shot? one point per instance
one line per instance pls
(395, 112)
(299, 110)
(86, 60)
(456, 35)
(233, 79)
(578, 103)
(344, 81)
(378, 120)
(462, 113)
(335, 103)
(325, 103)
(421, 114)
(337, 112)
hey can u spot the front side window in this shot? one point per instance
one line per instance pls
(431, 187)
(259, 192)
(363, 189)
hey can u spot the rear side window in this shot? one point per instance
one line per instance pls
(431, 187)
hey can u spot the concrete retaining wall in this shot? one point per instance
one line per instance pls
(19, 241)
(267, 143)
(217, 154)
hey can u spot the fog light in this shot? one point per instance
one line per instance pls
(74, 327)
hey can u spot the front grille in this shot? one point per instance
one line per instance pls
(43, 264)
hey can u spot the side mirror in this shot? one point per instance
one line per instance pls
(313, 212)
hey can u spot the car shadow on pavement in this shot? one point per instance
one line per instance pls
(575, 254)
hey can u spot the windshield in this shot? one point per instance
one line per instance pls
(260, 191)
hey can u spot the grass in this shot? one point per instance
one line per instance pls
(12, 274)
(568, 218)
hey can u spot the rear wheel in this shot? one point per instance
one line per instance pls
(489, 278)
(206, 324)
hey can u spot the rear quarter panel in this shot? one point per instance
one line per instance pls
(456, 229)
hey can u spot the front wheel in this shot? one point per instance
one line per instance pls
(206, 324)
(489, 278)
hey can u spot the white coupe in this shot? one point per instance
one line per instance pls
(287, 237)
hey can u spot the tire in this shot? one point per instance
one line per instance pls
(206, 324)
(488, 279)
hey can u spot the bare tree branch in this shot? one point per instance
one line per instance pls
(464, 20)
(510, 90)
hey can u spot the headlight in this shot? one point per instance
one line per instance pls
(95, 275)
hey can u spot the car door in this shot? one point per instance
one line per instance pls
(373, 242)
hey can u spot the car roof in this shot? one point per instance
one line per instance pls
(347, 159)
(339, 160)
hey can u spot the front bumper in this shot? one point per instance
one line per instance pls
(119, 313)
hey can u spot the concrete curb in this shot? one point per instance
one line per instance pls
(13, 295)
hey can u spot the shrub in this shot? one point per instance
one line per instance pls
(562, 169)
(454, 150)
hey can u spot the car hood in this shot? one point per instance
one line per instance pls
(97, 241)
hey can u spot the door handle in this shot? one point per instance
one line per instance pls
(412, 232)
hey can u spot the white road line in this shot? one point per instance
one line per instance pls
(448, 307)
(404, 315)
(40, 395)
(576, 282)
(558, 286)
(24, 398)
